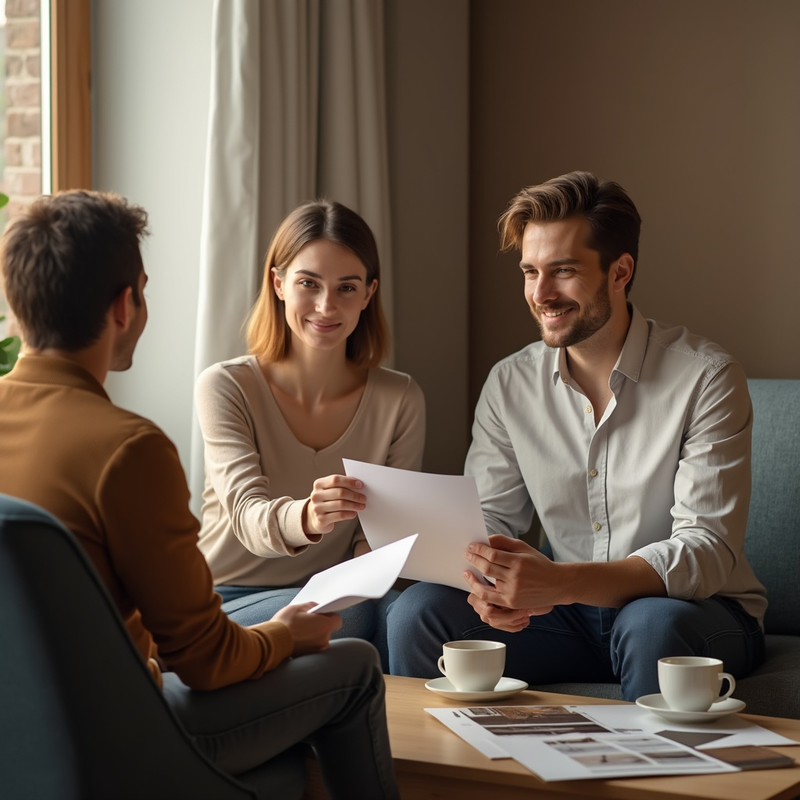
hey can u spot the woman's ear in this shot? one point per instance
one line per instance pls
(277, 283)
(371, 289)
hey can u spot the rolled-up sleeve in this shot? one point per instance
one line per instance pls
(712, 492)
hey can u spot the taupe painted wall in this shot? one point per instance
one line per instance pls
(694, 107)
(428, 113)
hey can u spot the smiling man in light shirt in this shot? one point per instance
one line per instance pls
(630, 439)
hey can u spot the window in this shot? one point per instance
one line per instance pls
(46, 110)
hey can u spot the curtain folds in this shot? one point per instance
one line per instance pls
(297, 111)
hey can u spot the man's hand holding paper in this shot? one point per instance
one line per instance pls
(503, 606)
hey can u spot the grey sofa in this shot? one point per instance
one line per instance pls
(773, 548)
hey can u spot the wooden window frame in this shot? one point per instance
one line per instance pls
(71, 109)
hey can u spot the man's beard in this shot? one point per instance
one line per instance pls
(590, 321)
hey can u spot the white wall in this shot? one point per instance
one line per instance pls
(150, 98)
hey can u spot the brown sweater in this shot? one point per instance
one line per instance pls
(115, 480)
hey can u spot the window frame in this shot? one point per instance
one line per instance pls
(70, 95)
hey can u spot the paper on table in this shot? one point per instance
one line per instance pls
(367, 577)
(734, 729)
(444, 509)
(561, 743)
(564, 758)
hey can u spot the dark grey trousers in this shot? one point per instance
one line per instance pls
(334, 701)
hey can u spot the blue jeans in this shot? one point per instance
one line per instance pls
(577, 643)
(249, 605)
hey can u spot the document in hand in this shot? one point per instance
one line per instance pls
(443, 509)
(367, 577)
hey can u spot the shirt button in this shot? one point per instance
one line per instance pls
(593, 473)
(597, 526)
(588, 409)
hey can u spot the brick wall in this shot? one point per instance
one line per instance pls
(22, 177)
(22, 149)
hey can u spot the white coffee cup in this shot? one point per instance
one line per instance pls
(693, 683)
(473, 666)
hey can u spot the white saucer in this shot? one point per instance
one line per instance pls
(658, 705)
(506, 687)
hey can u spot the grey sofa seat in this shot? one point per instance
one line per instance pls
(80, 716)
(773, 548)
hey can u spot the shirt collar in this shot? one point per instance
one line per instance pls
(55, 371)
(630, 358)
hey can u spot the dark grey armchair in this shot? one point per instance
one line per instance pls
(773, 548)
(80, 716)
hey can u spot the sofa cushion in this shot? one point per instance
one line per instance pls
(773, 529)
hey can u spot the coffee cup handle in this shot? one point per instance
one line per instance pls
(440, 664)
(731, 686)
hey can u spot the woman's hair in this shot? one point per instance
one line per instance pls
(268, 334)
(614, 222)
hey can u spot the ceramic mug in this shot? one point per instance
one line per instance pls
(693, 683)
(473, 666)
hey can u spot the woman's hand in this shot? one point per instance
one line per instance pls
(311, 632)
(333, 498)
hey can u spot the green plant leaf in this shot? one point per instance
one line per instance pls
(9, 352)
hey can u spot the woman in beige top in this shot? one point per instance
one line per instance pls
(277, 423)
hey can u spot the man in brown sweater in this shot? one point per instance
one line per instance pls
(74, 278)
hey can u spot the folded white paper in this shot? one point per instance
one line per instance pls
(367, 577)
(444, 509)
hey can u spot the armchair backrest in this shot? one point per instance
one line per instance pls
(80, 715)
(773, 529)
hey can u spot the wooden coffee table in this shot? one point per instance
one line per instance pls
(431, 762)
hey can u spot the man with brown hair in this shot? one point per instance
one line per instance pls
(630, 439)
(74, 277)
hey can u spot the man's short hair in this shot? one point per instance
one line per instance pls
(268, 334)
(614, 222)
(64, 259)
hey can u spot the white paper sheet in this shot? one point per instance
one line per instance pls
(561, 743)
(444, 509)
(558, 758)
(731, 731)
(593, 741)
(367, 577)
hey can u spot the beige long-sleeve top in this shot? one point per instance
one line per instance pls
(115, 480)
(258, 475)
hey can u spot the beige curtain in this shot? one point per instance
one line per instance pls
(297, 110)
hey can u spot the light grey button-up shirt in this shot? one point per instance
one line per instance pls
(664, 475)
